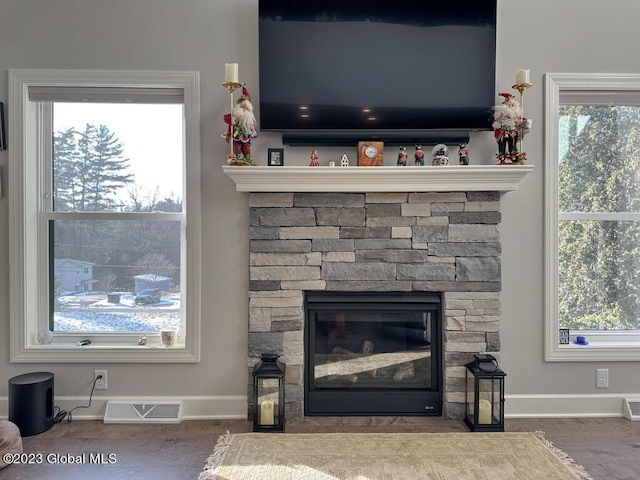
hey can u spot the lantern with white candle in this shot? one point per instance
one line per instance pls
(484, 395)
(268, 394)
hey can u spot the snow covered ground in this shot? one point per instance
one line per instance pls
(93, 312)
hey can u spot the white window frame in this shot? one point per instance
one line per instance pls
(27, 295)
(595, 88)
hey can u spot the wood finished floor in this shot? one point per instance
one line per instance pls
(608, 448)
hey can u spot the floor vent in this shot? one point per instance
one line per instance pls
(143, 412)
(632, 408)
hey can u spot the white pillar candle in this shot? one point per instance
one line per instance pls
(522, 76)
(484, 413)
(231, 72)
(266, 413)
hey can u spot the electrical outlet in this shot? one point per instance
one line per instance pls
(101, 383)
(602, 378)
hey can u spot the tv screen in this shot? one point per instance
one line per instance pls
(376, 65)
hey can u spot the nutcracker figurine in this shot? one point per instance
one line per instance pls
(402, 157)
(419, 156)
(463, 154)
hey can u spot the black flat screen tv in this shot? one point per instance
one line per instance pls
(339, 71)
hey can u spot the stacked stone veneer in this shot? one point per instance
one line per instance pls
(384, 242)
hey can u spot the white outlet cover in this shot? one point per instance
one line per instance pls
(602, 378)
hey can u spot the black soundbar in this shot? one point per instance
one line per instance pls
(347, 138)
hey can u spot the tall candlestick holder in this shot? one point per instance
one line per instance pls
(522, 87)
(231, 87)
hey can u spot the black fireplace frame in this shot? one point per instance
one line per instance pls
(373, 402)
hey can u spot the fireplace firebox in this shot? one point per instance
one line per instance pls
(373, 354)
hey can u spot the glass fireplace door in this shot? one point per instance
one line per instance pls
(373, 354)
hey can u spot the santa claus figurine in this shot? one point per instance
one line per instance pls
(509, 125)
(242, 128)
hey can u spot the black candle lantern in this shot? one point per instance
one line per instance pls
(268, 394)
(484, 395)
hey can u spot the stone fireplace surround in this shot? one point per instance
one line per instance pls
(432, 229)
(444, 242)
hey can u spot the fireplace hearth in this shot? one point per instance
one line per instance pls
(373, 354)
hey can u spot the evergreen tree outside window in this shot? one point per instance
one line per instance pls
(599, 239)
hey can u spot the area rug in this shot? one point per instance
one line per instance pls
(389, 456)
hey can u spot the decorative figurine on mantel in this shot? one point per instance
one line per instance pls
(463, 154)
(440, 155)
(241, 124)
(419, 156)
(510, 127)
(314, 158)
(402, 157)
(344, 160)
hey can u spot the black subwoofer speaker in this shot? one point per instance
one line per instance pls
(31, 402)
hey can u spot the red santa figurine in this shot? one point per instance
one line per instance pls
(509, 125)
(242, 128)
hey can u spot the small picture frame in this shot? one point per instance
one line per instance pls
(563, 334)
(3, 138)
(275, 157)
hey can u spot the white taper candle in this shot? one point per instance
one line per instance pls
(522, 76)
(231, 72)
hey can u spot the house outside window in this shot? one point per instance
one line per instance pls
(106, 166)
(593, 216)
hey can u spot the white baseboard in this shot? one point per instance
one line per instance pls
(201, 407)
(232, 407)
(565, 405)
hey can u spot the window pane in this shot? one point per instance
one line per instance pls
(117, 157)
(599, 275)
(599, 158)
(115, 275)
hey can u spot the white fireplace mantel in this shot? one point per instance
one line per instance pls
(502, 178)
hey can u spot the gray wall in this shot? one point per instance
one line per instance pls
(544, 36)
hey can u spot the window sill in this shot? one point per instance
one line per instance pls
(104, 353)
(601, 350)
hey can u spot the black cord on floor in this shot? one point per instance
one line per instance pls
(60, 416)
